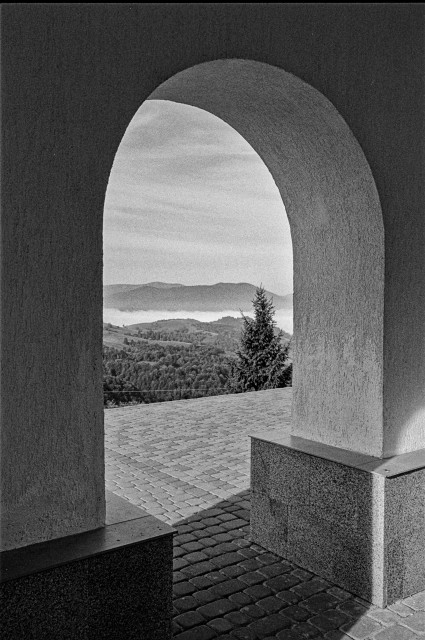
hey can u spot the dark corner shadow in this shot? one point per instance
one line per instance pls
(234, 586)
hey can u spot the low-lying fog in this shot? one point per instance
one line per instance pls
(283, 317)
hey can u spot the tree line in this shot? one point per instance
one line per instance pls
(155, 373)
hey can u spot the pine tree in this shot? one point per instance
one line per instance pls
(262, 358)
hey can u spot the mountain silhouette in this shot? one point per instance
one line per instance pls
(161, 296)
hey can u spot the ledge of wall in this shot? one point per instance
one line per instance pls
(387, 467)
(112, 582)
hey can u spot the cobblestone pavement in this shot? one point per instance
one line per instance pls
(176, 458)
(226, 587)
(188, 463)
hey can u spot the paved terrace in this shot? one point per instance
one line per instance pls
(187, 462)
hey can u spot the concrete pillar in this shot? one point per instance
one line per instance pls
(52, 456)
(355, 518)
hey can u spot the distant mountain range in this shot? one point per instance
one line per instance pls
(163, 296)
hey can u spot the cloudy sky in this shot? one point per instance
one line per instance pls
(189, 201)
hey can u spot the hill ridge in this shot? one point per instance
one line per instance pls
(174, 297)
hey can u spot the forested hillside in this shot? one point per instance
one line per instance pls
(168, 359)
(154, 372)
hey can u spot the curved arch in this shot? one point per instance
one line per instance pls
(338, 240)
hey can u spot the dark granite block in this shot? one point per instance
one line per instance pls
(269, 522)
(327, 549)
(279, 471)
(111, 583)
(340, 493)
(359, 528)
(336, 552)
(310, 541)
(405, 534)
(130, 592)
(404, 502)
(124, 593)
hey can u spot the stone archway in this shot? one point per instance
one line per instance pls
(73, 77)
(337, 233)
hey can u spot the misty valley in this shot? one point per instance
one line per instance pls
(176, 359)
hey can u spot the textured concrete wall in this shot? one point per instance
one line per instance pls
(337, 235)
(73, 76)
(52, 413)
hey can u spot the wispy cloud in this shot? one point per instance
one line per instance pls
(186, 185)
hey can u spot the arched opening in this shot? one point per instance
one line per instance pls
(193, 224)
(192, 217)
(334, 214)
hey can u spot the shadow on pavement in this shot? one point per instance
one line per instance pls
(225, 586)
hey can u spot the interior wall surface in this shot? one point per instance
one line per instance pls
(72, 78)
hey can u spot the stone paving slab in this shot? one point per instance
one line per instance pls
(187, 462)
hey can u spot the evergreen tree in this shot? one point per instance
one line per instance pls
(262, 358)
